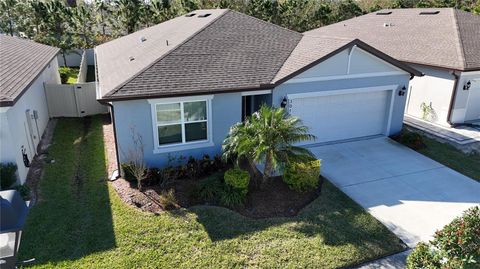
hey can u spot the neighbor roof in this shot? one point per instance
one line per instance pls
(223, 52)
(441, 37)
(21, 61)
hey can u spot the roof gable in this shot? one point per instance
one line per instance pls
(437, 39)
(127, 56)
(21, 61)
(235, 51)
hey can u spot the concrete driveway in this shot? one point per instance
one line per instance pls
(411, 194)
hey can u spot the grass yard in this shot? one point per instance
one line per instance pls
(80, 222)
(447, 155)
(69, 75)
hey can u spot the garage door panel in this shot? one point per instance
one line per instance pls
(344, 116)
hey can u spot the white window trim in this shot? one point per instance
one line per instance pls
(391, 88)
(187, 145)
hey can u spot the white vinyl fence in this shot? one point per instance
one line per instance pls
(75, 100)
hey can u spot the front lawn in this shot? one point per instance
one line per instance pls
(80, 222)
(447, 155)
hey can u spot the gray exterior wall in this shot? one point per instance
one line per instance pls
(399, 101)
(226, 111)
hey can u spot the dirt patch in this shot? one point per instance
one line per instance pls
(277, 200)
(35, 172)
(78, 177)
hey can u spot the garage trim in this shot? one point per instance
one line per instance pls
(392, 88)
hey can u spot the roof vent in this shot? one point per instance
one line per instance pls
(131, 58)
(143, 39)
(388, 24)
(204, 15)
(190, 15)
(429, 12)
(384, 13)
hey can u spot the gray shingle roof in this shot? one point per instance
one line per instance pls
(234, 51)
(449, 39)
(21, 61)
(230, 52)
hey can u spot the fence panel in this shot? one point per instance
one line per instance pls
(77, 100)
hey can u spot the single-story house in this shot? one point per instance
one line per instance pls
(183, 83)
(443, 43)
(24, 68)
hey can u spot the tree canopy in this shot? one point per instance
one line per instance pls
(83, 24)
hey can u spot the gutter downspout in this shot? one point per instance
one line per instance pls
(452, 99)
(112, 116)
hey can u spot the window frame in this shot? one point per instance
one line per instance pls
(184, 145)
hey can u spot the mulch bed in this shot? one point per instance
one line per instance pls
(273, 200)
(277, 200)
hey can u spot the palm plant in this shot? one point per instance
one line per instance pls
(268, 136)
(128, 13)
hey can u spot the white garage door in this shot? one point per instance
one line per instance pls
(343, 116)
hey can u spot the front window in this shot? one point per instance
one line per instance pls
(181, 122)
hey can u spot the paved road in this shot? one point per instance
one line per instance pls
(411, 194)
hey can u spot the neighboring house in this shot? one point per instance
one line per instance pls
(24, 68)
(443, 43)
(183, 83)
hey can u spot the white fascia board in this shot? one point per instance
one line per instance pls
(342, 91)
(352, 76)
(249, 93)
(180, 99)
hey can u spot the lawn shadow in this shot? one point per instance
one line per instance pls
(333, 218)
(74, 218)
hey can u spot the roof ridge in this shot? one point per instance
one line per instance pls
(119, 86)
(458, 37)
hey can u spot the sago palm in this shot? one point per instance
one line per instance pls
(268, 136)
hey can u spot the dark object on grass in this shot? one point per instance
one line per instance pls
(411, 140)
(7, 175)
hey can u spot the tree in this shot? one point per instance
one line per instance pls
(83, 24)
(128, 14)
(268, 136)
(135, 158)
(347, 9)
(8, 8)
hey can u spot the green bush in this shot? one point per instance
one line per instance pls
(302, 176)
(237, 178)
(232, 197)
(7, 175)
(209, 189)
(68, 75)
(127, 172)
(457, 245)
(24, 191)
(422, 257)
(168, 200)
(236, 187)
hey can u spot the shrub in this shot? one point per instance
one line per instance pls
(24, 191)
(7, 175)
(232, 197)
(457, 245)
(127, 172)
(302, 176)
(412, 140)
(237, 178)
(423, 257)
(168, 199)
(209, 189)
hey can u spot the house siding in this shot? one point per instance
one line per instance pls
(436, 88)
(14, 120)
(399, 101)
(226, 111)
